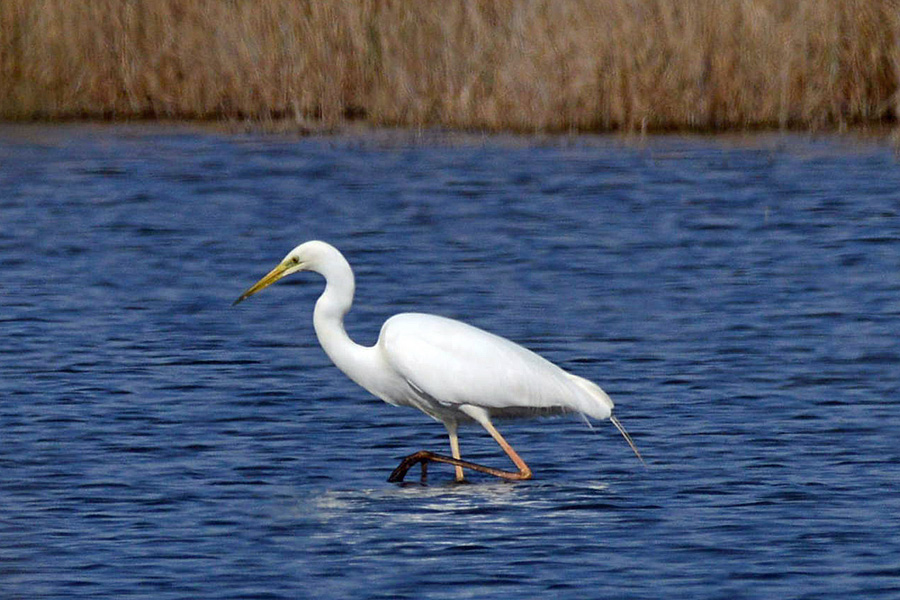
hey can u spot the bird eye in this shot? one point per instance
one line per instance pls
(295, 260)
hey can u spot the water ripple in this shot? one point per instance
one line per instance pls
(739, 302)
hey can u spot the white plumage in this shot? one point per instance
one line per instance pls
(483, 369)
(450, 370)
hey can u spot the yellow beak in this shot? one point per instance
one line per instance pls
(270, 278)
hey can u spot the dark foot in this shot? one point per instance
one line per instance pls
(423, 456)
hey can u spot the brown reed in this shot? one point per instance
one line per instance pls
(521, 65)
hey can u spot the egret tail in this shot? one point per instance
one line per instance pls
(627, 437)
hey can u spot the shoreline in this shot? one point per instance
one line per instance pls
(361, 132)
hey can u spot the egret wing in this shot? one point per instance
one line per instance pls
(454, 364)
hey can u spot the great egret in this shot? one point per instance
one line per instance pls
(451, 371)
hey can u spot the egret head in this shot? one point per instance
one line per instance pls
(308, 256)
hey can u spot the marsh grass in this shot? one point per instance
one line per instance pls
(520, 65)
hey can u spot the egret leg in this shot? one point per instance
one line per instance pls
(524, 470)
(482, 417)
(454, 448)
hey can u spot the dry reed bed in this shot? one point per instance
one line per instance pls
(524, 65)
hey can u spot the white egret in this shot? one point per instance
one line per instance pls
(451, 371)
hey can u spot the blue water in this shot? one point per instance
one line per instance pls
(738, 298)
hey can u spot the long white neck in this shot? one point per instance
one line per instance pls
(328, 319)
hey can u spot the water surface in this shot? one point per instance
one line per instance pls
(739, 301)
